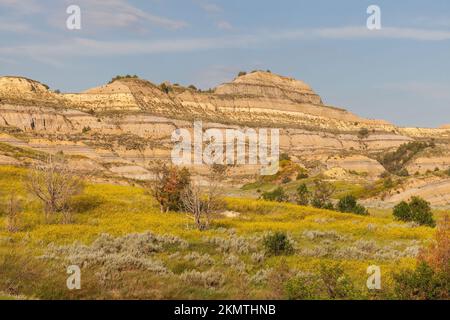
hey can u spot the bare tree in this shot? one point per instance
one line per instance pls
(14, 210)
(202, 204)
(55, 184)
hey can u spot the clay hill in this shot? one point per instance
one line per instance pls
(121, 130)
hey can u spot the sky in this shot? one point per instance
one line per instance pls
(400, 73)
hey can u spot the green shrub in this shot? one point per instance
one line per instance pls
(336, 282)
(423, 283)
(322, 195)
(302, 287)
(302, 175)
(303, 195)
(119, 77)
(349, 204)
(417, 210)
(278, 195)
(278, 244)
(284, 156)
(395, 161)
(86, 129)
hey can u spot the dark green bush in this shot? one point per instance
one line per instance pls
(303, 195)
(284, 156)
(417, 210)
(350, 205)
(278, 244)
(276, 195)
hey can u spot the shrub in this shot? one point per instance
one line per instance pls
(422, 283)
(302, 175)
(207, 279)
(322, 194)
(388, 183)
(363, 133)
(337, 284)
(302, 287)
(278, 195)
(277, 244)
(349, 204)
(119, 77)
(395, 161)
(242, 73)
(165, 87)
(437, 255)
(168, 187)
(286, 180)
(417, 210)
(447, 172)
(303, 195)
(431, 277)
(285, 156)
(55, 184)
(402, 211)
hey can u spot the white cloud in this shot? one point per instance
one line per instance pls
(120, 13)
(90, 47)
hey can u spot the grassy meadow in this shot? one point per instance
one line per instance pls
(128, 249)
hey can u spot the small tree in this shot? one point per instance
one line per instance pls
(55, 183)
(402, 211)
(303, 195)
(322, 194)
(201, 205)
(350, 205)
(417, 210)
(277, 244)
(168, 186)
(421, 211)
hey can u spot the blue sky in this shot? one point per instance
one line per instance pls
(400, 73)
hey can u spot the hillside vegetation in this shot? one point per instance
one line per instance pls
(127, 248)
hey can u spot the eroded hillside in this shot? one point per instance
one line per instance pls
(123, 129)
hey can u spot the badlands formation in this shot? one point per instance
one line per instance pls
(122, 130)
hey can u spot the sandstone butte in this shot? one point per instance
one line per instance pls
(122, 129)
